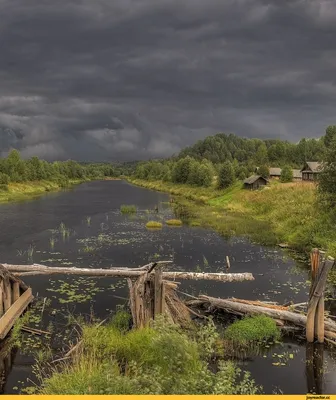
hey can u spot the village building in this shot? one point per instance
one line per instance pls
(255, 182)
(310, 170)
(275, 173)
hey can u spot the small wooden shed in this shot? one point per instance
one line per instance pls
(255, 182)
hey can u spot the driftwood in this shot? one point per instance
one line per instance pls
(37, 269)
(233, 306)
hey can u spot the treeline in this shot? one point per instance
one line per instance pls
(15, 169)
(229, 157)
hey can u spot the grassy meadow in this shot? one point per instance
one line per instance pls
(280, 213)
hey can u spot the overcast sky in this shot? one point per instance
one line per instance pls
(129, 79)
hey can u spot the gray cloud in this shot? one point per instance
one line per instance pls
(129, 79)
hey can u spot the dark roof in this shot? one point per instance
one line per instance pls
(253, 179)
(313, 166)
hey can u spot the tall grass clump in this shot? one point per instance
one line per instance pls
(154, 225)
(128, 209)
(174, 222)
(252, 330)
(158, 359)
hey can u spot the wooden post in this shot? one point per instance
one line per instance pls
(158, 291)
(16, 291)
(316, 294)
(228, 266)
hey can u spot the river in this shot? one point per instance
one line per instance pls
(83, 227)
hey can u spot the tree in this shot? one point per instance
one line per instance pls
(181, 170)
(327, 177)
(226, 175)
(330, 134)
(4, 179)
(286, 174)
(264, 171)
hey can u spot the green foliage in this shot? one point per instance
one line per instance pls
(3, 187)
(128, 209)
(330, 135)
(327, 177)
(226, 175)
(181, 170)
(4, 179)
(252, 330)
(286, 174)
(160, 359)
(174, 222)
(154, 225)
(264, 171)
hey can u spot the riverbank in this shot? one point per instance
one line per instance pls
(29, 190)
(281, 213)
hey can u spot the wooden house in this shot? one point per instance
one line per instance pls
(297, 175)
(275, 173)
(255, 182)
(310, 170)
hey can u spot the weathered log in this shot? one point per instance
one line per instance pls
(241, 308)
(317, 290)
(128, 273)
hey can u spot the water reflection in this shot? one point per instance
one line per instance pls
(7, 357)
(315, 367)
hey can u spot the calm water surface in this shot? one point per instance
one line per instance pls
(84, 228)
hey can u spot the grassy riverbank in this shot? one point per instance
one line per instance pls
(28, 190)
(281, 213)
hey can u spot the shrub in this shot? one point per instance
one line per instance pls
(154, 224)
(174, 222)
(252, 330)
(128, 209)
(3, 187)
(264, 171)
(159, 359)
(286, 174)
(4, 179)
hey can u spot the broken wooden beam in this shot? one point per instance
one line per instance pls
(36, 269)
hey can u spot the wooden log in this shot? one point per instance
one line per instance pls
(319, 320)
(8, 319)
(157, 292)
(7, 295)
(241, 309)
(16, 291)
(228, 266)
(316, 293)
(1, 298)
(129, 273)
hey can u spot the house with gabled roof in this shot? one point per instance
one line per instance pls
(255, 182)
(310, 170)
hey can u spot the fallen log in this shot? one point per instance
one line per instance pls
(235, 307)
(37, 269)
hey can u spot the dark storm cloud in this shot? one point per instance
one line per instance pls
(123, 79)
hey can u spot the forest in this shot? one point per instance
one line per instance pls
(232, 157)
(17, 170)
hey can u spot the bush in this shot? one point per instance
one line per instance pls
(128, 209)
(3, 187)
(252, 330)
(154, 224)
(264, 171)
(174, 222)
(160, 359)
(286, 174)
(4, 179)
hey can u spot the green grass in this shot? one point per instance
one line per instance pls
(154, 225)
(252, 330)
(30, 190)
(159, 359)
(280, 213)
(174, 222)
(128, 209)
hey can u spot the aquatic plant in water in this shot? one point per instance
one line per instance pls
(174, 222)
(128, 209)
(88, 221)
(30, 252)
(154, 225)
